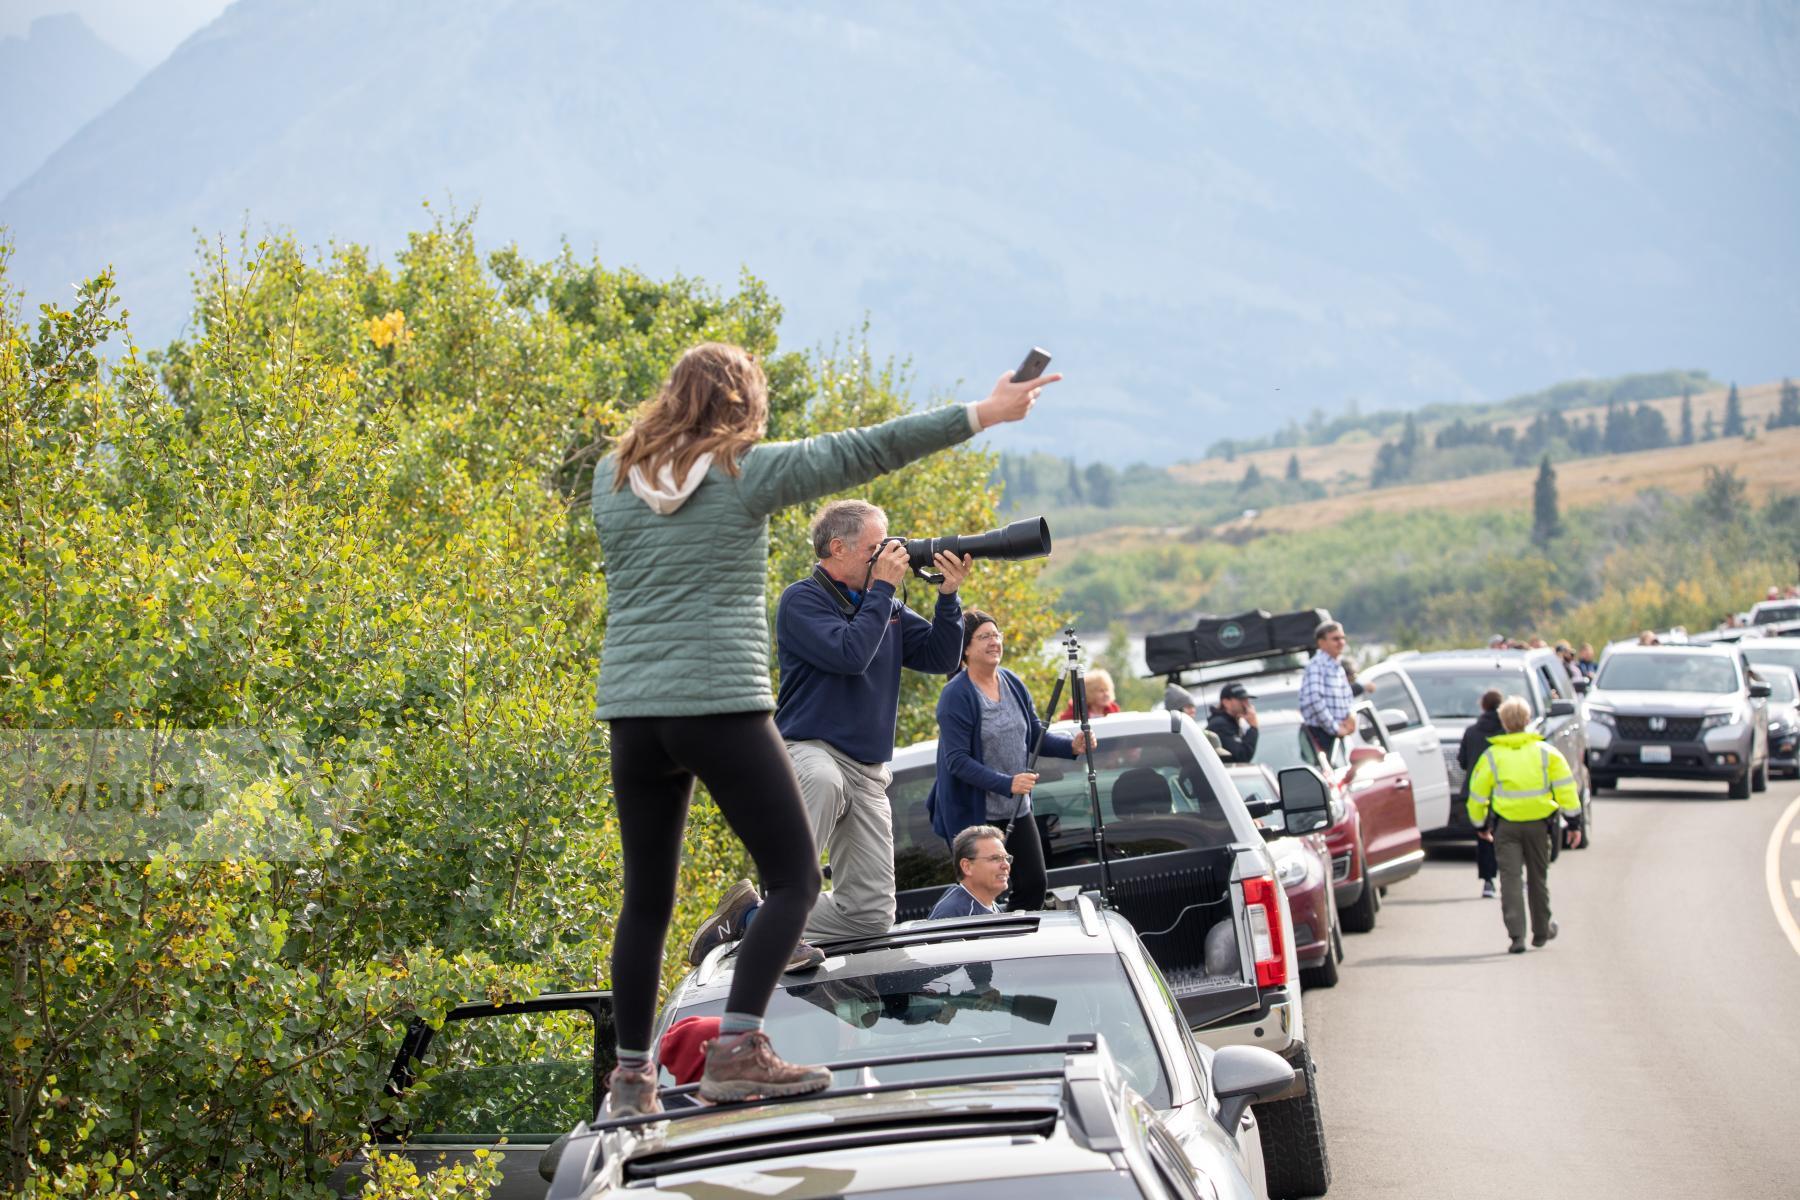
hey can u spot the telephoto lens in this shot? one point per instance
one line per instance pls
(1029, 538)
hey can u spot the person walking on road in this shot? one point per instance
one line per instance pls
(1474, 743)
(1325, 695)
(1522, 781)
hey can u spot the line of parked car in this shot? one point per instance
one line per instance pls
(1146, 1036)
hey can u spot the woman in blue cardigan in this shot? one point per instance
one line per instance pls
(986, 728)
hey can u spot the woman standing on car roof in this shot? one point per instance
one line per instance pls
(987, 726)
(682, 505)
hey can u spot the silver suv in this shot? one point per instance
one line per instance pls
(1679, 712)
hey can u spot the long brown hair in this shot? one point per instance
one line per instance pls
(716, 399)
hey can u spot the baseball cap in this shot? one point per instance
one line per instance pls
(1233, 691)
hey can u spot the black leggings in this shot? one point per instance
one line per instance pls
(1029, 881)
(743, 763)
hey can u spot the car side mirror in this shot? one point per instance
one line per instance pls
(551, 1156)
(1581, 684)
(1261, 806)
(1759, 689)
(1393, 718)
(1246, 1075)
(1562, 708)
(1305, 801)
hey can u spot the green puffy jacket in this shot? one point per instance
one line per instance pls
(687, 629)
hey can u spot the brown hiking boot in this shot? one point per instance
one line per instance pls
(806, 957)
(746, 1067)
(631, 1093)
(726, 922)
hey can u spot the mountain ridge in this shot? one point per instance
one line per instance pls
(1215, 221)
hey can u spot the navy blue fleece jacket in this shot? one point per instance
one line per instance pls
(959, 793)
(841, 658)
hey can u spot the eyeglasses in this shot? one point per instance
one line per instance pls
(996, 858)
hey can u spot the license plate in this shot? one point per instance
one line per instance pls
(1653, 754)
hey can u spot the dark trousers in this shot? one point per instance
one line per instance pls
(1486, 865)
(745, 766)
(1322, 739)
(1523, 848)
(1029, 879)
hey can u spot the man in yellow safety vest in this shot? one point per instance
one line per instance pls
(1523, 780)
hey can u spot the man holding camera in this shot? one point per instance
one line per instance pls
(843, 635)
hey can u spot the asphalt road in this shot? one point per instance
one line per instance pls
(1652, 1050)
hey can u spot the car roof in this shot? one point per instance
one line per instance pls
(1728, 652)
(1499, 658)
(911, 945)
(1159, 721)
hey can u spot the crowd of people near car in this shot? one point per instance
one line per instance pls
(682, 507)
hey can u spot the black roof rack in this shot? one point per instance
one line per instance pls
(1085, 1101)
(1216, 640)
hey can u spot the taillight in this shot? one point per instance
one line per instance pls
(1261, 897)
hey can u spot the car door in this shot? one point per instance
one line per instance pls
(1550, 680)
(521, 1074)
(1418, 743)
(1382, 790)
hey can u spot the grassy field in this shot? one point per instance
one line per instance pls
(1766, 463)
(1344, 465)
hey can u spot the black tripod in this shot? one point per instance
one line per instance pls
(1071, 674)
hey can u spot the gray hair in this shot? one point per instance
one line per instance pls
(1325, 629)
(840, 519)
(964, 845)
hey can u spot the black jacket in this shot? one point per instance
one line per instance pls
(1474, 742)
(1241, 746)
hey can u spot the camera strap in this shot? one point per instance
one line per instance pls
(834, 590)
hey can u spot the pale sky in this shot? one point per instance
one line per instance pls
(145, 30)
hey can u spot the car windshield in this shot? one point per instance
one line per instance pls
(1768, 614)
(1154, 797)
(1775, 656)
(1781, 688)
(1667, 673)
(1454, 693)
(1008, 1002)
(1285, 744)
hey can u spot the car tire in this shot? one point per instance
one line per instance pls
(1759, 778)
(1324, 975)
(1360, 917)
(1295, 1161)
(1602, 783)
(1739, 787)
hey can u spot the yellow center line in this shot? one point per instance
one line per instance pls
(1772, 876)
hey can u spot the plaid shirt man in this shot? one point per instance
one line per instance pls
(1324, 693)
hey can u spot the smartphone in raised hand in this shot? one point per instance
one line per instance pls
(1033, 366)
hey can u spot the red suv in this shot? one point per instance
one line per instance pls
(1375, 842)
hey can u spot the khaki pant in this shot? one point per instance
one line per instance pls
(1524, 846)
(847, 803)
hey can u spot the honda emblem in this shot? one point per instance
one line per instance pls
(1659, 723)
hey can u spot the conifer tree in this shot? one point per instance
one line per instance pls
(1546, 521)
(1252, 477)
(1734, 415)
(1709, 429)
(1687, 417)
(1788, 414)
(1293, 468)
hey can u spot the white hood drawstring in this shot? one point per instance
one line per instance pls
(665, 495)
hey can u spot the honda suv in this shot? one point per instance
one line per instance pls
(1679, 712)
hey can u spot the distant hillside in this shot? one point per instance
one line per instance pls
(1345, 466)
(54, 80)
(1218, 217)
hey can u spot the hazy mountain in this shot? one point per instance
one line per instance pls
(1218, 217)
(53, 80)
